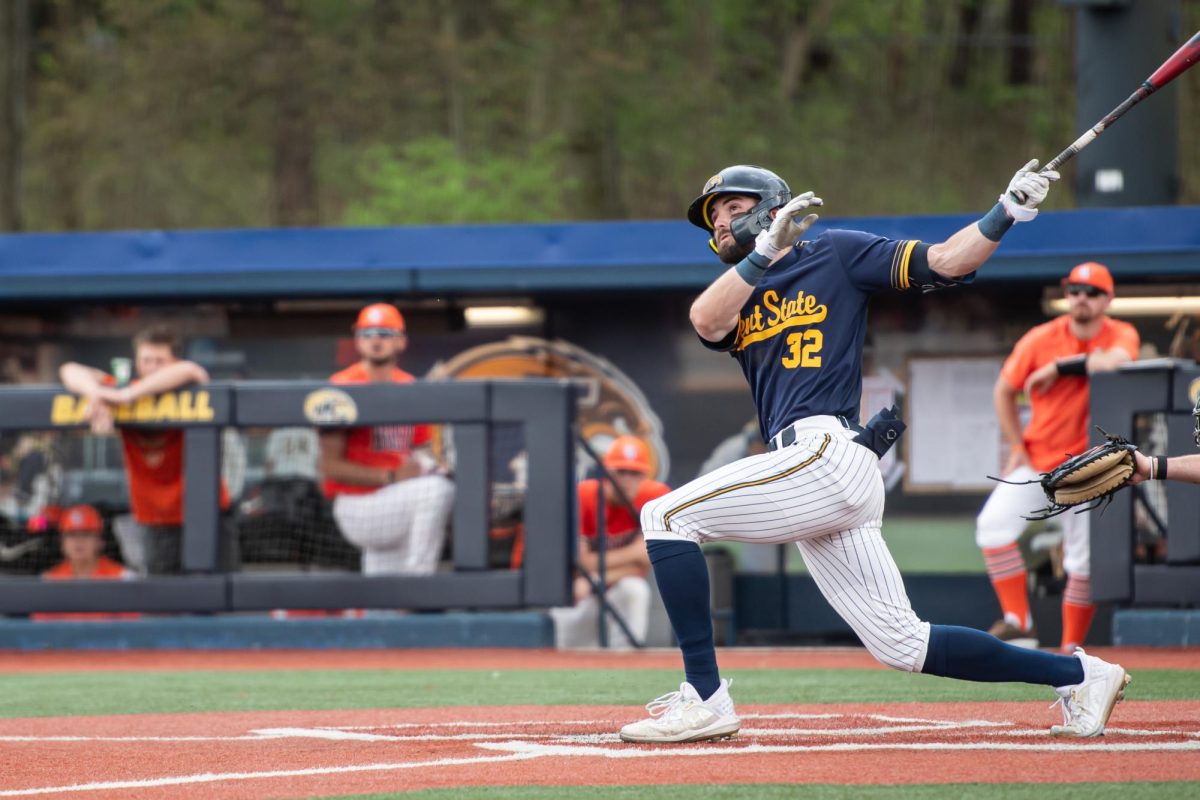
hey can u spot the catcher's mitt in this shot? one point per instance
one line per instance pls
(1090, 477)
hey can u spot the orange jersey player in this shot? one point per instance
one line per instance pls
(153, 456)
(81, 531)
(626, 563)
(1051, 363)
(390, 497)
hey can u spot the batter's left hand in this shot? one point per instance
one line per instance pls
(786, 230)
(1042, 378)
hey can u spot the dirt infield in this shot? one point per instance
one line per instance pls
(300, 754)
(423, 659)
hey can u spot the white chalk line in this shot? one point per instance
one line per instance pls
(536, 722)
(660, 751)
(211, 777)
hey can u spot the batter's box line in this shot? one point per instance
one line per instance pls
(465, 724)
(544, 722)
(209, 777)
(669, 751)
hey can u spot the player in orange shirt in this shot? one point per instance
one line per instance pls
(626, 563)
(153, 456)
(391, 498)
(1051, 363)
(81, 532)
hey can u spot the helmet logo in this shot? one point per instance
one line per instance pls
(715, 180)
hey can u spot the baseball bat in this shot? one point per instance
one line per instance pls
(1179, 61)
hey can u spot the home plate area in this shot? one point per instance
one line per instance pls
(781, 732)
(301, 753)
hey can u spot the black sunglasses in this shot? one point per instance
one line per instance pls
(1083, 288)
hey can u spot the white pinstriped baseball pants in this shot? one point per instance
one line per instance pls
(825, 493)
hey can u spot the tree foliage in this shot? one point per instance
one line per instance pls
(233, 113)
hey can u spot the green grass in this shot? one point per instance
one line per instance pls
(933, 544)
(818, 791)
(918, 544)
(104, 693)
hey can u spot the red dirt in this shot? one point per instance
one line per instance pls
(427, 659)
(403, 763)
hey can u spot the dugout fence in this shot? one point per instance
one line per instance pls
(476, 416)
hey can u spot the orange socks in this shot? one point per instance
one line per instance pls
(1006, 568)
(1077, 611)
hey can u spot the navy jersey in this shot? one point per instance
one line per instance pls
(799, 338)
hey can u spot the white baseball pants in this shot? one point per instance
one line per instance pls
(400, 528)
(579, 625)
(1001, 523)
(826, 494)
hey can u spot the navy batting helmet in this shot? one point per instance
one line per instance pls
(770, 189)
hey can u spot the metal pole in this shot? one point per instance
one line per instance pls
(601, 567)
(602, 535)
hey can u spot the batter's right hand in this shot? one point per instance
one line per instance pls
(786, 230)
(1027, 189)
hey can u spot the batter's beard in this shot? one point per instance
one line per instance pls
(381, 361)
(730, 252)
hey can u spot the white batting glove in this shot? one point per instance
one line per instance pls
(1026, 190)
(785, 229)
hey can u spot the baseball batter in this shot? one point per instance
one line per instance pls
(1051, 364)
(793, 313)
(390, 497)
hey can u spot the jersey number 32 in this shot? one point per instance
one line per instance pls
(804, 349)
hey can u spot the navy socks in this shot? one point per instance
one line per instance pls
(954, 652)
(682, 577)
(972, 655)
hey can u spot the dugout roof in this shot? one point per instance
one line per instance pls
(1144, 244)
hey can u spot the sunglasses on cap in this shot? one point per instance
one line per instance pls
(1083, 288)
(378, 333)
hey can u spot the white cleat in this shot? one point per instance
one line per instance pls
(1087, 706)
(683, 717)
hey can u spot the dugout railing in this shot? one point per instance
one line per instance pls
(544, 408)
(1159, 392)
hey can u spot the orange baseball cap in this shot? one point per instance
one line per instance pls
(628, 452)
(81, 519)
(380, 315)
(1091, 274)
